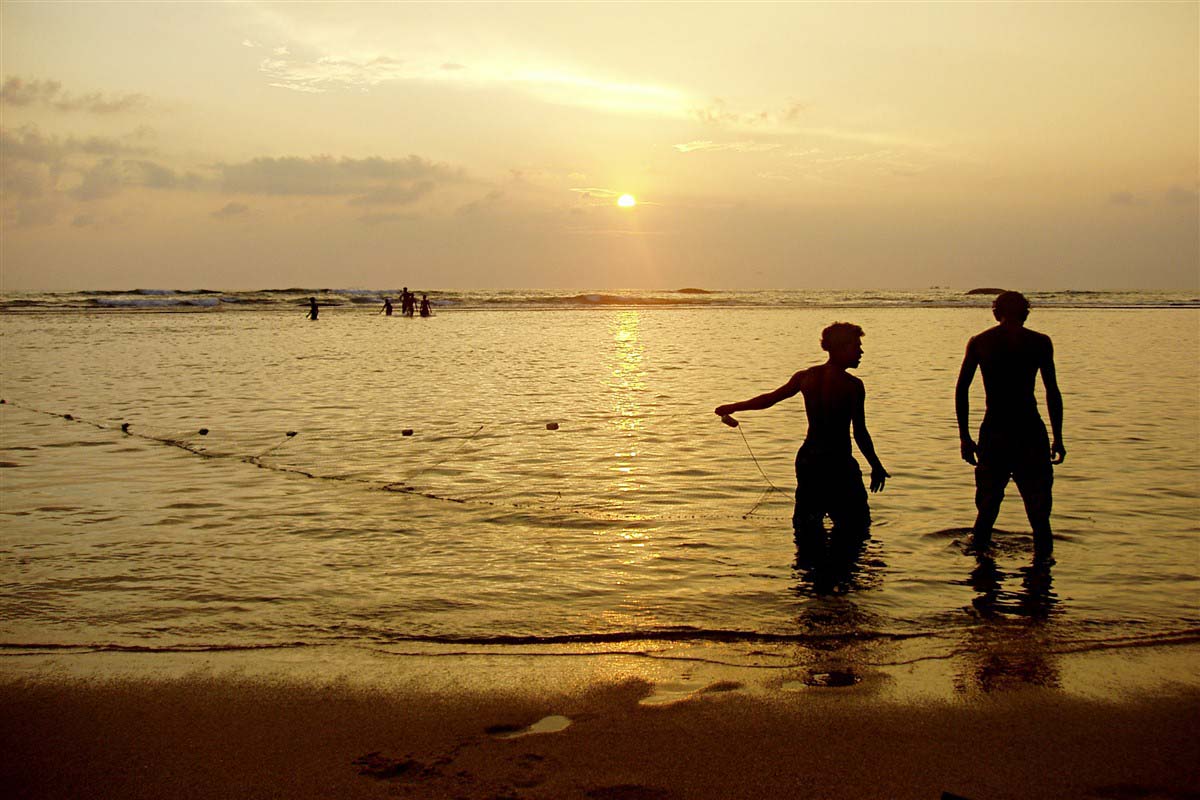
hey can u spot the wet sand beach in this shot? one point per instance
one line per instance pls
(474, 733)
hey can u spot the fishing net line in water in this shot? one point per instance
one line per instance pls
(446, 467)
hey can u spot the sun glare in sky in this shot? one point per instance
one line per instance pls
(626, 201)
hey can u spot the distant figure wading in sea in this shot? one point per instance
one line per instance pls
(1012, 440)
(387, 306)
(313, 311)
(828, 479)
(425, 310)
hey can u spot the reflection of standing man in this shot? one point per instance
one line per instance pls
(1012, 439)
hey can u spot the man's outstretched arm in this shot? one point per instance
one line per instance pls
(1054, 405)
(765, 400)
(862, 437)
(962, 405)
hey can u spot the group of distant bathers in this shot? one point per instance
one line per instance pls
(408, 306)
(1012, 440)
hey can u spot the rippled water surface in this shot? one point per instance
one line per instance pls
(640, 516)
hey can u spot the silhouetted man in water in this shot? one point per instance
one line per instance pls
(1012, 440)
(828, 479)
(313, 310)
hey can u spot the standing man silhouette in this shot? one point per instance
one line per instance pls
(1012, 440)
(828, 479)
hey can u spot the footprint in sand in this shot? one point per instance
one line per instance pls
(551, 724)
(531, 770)
(380, 767)
(666, 693)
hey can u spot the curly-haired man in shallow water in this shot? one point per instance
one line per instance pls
(828, 479)
(1012, 440)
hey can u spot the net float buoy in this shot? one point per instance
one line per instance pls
(406, 432)
(291, 434)
(551, 426)
(67, 416)
(124, 427)
(204, 431)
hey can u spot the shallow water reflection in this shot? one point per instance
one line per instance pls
(832, 564)
(999, 657)
(1013, 643)
(1034, 599)
(632, 518)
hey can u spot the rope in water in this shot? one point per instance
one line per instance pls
(400, 486)
(760, 469)
(771, 487)
(438, 463)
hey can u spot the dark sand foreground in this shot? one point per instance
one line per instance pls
(230, 737)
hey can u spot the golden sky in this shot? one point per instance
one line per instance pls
(802, 145)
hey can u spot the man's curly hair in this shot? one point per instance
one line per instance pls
(1010, 305)
(840, 332)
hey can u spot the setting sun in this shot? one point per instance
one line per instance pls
(626, 201)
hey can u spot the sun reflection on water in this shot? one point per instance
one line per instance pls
(629, 376)
(628, 382)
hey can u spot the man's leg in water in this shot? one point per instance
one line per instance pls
(808, 518)
(1034, 482)
(990, 481)
(848, 507)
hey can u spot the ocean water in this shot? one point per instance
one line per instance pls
(639, 520)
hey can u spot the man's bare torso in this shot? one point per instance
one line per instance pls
(830, 397)
(1009, 359)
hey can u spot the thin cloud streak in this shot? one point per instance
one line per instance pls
(718, 113)
(716, 147)
(20, 93)
(562, 87)
(28, 143)
(372, 178)
(111, 175)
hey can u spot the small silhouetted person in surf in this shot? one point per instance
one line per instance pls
(425, 309)
(828, 479)
(387, 307)
(407, 300)
(313, 311)
(1012, 440)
